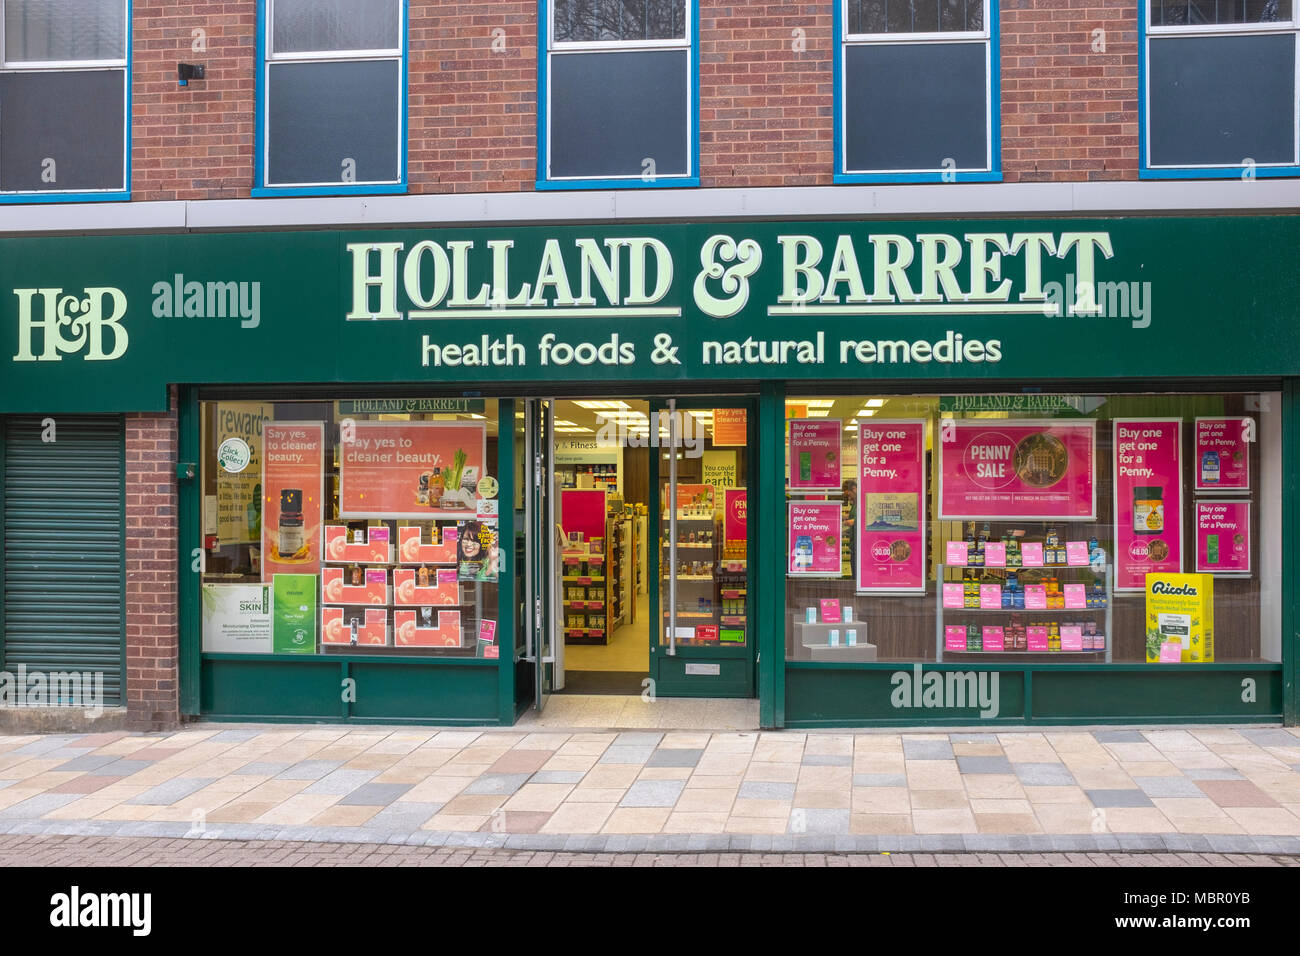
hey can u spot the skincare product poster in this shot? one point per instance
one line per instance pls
(293, 477)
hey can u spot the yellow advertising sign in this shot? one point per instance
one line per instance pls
(1180, 618)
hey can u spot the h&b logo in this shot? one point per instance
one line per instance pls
(87, 318)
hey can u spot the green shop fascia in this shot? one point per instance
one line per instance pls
(1000, 319)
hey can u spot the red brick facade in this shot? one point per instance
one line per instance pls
(1069, 95)
(152, 638)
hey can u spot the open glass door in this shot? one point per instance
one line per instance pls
(542, 521)
(704, 644)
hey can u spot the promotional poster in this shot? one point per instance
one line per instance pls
(815, 454)
(1223, 537)
(416, 470)
(1000, 469)
(1223, 454)
(891, 509)
(293, 477)
(816, 528)
(1148, 499)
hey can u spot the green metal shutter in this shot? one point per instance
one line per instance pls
(64, 548)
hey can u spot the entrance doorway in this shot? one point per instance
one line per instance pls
(644, 580)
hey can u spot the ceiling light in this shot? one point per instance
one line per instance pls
(819, 402)
(602, 404)
(866, 413)
(875, 402)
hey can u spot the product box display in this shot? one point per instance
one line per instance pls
(412, 549)
(1180, 618)
(355, 585)
(354, 626)
(424, 627)
(433, 587)
(374, 546)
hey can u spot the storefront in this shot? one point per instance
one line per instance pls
(870, 472)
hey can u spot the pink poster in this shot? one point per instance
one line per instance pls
(814, 454)
(1223, 454)
(891, 510)
(1017, 469)
(582, 512)
(293, 477)
(735, 516)
(417, 470)
(1223, 537)
(1148, 499)
(815, 531)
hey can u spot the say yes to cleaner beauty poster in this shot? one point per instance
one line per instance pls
(293, 479)
(1017, 469)
(1148, 499)
(891, 516)
(816, 530)
(416, 470)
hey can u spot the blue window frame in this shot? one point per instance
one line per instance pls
(331, 97)
(618, 93)
(1220, 93)
(65, 100)
(916, 91)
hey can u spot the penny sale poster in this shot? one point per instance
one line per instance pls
(1017, 469)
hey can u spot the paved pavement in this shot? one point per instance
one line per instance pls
(83, 851)
(1188, 790)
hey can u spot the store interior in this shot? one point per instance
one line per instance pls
(604, 468)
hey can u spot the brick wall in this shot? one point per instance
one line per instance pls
(472, 96)
(152, 636)
(766, 94)
(1069, 110)
(1069, 94)
(193, 142)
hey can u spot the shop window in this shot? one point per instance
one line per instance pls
(1220, 96)
(339, 528)
(1036, 529)
(64, 100)
(917, 84)
(333, 97)
(619, 94)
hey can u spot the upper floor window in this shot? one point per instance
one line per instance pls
(64, 99)
(333, 97)
(917, 90)
(1220, 93)
(620, 91)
